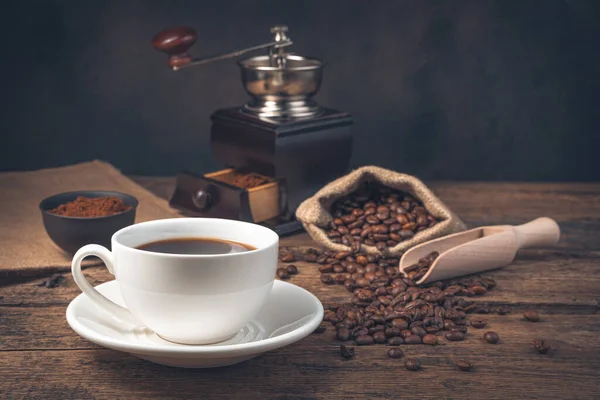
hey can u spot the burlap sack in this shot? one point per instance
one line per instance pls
(314, 212)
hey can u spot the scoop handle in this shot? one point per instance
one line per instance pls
(541, 232)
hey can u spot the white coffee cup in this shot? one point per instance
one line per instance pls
(183, 298)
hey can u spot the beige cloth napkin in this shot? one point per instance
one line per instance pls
(25, 248)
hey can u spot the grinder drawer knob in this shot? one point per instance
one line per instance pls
(201, 199)
(175, 42)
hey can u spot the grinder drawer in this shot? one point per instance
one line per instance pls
(228, 194)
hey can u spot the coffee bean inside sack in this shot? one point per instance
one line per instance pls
(377, 216)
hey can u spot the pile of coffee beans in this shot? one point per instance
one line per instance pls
(388, 308)
(377, 216)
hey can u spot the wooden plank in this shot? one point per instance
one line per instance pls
(312, 368)
(535, 279)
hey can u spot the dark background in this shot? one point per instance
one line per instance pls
(477, 90)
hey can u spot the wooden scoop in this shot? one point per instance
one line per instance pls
(480, 249)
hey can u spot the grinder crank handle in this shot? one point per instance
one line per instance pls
(541, 232)
(177, 41)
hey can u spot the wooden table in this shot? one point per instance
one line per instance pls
(41, 357)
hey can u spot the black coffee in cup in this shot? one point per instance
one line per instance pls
(196, 246)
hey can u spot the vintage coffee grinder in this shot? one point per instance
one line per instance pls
(281, 138)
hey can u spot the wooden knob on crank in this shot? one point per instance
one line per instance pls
(175, 42)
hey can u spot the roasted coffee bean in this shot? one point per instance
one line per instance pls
(349, 284)
(359, 331)
(342, 334)
(399, 323)
(380, 229)
(311, 258)
(478, 290)
(292, 269)
(395, 341)
(381, 246)
(327, 279)
(325, 269)
(282, 273)
(373, 220)
(364, 340)
(379, 337)
(362, 282)
(430, 339)
(454, 336)
(371, 267)
(541, 346)
(320, 329)
(337, 268)
(343, 230)
(329, 316)
(392, 332)
(287, 257)
(395, 353)
(413, 339)
(418, 330)
(412, 364)
(532, 316)
(464, 365)
(349, 323)
(478, 323)
(346, 351)
(491, 337)
(362, 260)
(376, 328)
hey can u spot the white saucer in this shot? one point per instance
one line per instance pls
(291, 314)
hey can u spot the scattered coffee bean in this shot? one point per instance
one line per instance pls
(343, 334)
(395, 353)
(541, 346)
(287, 257)
(412, 364)
(430, 339)
(53, 281)
(282, 273)
(454, 336)
(413, 339)
(292, 269)
(478, 323)
(320, 329)
(395, 341)
(464, 365)
(379, 337)
(326, 279)
(418, 330)
(491, 337)
(364, 340)
(347, 351)
(532, 316)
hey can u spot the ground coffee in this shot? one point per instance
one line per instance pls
(85, 207)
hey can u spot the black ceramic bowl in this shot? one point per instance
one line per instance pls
(72, 233)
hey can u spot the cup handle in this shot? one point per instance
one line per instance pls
(115, 310)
